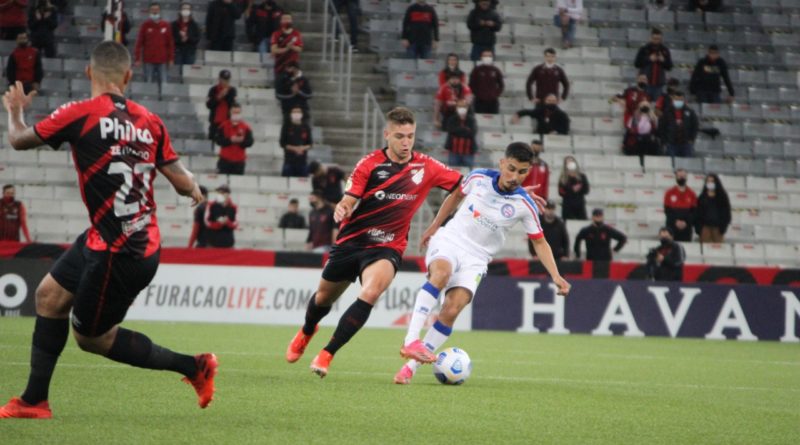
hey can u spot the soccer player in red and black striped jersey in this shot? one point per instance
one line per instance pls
(117, 146)
(383, 193)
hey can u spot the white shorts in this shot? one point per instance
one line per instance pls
(468, 269)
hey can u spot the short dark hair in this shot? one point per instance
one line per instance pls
(713, 48)
(520, 151)
(111, 58)
(154, 4)
(678, 93)
(204, 190)
(317, 193)
(8, 186)
(536, 142)
(656, 32)
(313, 166)
(455, 73)
(235, 105)
(294, 201)
(550, 51)
(672, 82)
(400, 116)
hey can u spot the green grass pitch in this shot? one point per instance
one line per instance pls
(524, 389)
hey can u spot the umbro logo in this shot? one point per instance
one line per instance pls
(383, 174)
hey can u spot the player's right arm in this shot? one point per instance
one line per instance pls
(20, 136)
(449, 205)
(355, 187)
(545, 254)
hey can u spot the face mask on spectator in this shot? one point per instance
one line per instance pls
(645, 110)
(549, 65)
(219, 197)
(286, 26)
(487, 60)
(664, 241)
(711, 186)
(236, 118)
(678, 103)
(681, 181)
(572, 166)
(462, 111)
(155, 17)
(297, 117)
(642, 85)
(186, 12)
(550, 107)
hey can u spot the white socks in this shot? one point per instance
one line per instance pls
(427, 299)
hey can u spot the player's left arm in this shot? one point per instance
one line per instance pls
(20, 136)
(449, 205)
(182, 180)
(545, 254)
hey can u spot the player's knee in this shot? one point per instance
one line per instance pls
(439, 277)
(95, 345)
(50, 302)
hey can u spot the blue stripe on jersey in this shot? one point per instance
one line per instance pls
(521, 191)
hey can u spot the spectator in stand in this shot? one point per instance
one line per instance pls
(13, 216)
(293, 89)
(220, 219)
(353, 10)
(664, 102)
(186, 35)
(198, 236)
(451, 67)
(550, 119)
(24, 64)
(568, 14)
(461, 130)
(544, 79)
(155, 47)
(286, 44)
(678, 128)
(555, 232)
(328, 180)
(220, 99)
(641, 135)
(707, 77)
(322, 229)
(295, 140)
(124, 28)
(292, 219)
(420, 30)
(598, 236)
(632, 97)
(654, 60)
(713, 214)
(221, 20)
(665, 262)
(444, 105)
(13, 18)
(484, 23)
(43, 21)
(262, 21)
(705, 5)
(539, 175)
(234, 137)
(573, 186)
(486, 81)
(680, 206)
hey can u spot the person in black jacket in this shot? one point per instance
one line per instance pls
(420, 30)
(198, 236)
(598, 238)
(550, 119)
(220, 219)
(221, 98)
(461, 130)
(705, 5)
(292, 219)
(654, 60)
(555, 232)
(713, 211)
(665, 262)
(262, 21)
(221, 24)
(573, 186)
(707, 77)
(484, 23)
(296, 140)
(186, 35)
(42, 23)
(293, 89)
(678, 127)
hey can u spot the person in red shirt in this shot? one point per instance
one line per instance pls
(451, 66)
(486, 80)
(154, 46)
(632, 97)
(13, 216)
(219, 101)
(25, 65)
(448, 95)
(539, 175)
(13, 18)
(680, 203)
(286, 44)
(234, 136)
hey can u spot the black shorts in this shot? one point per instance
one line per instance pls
(104, 284)
(347, 263)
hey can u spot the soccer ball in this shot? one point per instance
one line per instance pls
(452, 366)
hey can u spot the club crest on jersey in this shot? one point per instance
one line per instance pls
(417, 176)
(507, 210)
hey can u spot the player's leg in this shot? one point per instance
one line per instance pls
(319, 305)
(439, 273)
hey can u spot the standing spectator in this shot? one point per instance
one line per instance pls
(539, 175)
(198, 236)
(444, 105)
(555, 232)
(13, 18)
(680, 205)
(234, 137)
(678, 128)
(713, 214)
(573, 186)
(263, 20)
(598, 238)
(420, 30)
(461, 130)
(293, 89)
(295, 140)
(550, 119)
(664, 103)
(292, 219)
(221, 20)
(186, 35)
(154, 46)
(632, 97)
(328, 180)
(25, 65)
(665, 262)
(220, 219)
(124, 25)
(569, 13)
(286, 44)
(707, 77)
(486, 81)
(654, 60)
(220, 99)
(484, 23)
(451, 66)
(43, 21)
(705, 5)
(322, 229)
(353, 10)
(545, 78)
(641, 133)
(13, 216)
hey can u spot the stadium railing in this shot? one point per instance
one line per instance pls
(373, 122)
(341, 61)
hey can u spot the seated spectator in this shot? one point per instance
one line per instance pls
(705, 5)
(292, 219)
(451, 66)
(219, 101)
(420, 31)
(262, 21)
(461, 130)
(24, 64)
(707, 78)
(13, 216)
(545, 78)
(286, 44)
(680, 206)
(234, 137)
(713, 214)
(123, 29)
(186, 35)
(154, 46)
(539, 175)
(664, 102)
(632, 97)
(43, 21)
(198, 236)
(328, 180)
(654, 60)
(486, 81)
(293, 89)
(13, 18)
(220, 219)
(568, 14)
(550, 119)
(484, 23)
(641, 135)
(555, 232)
(322, 229)
(295, 140)
(678, 128)
(665, 262)
(598, 236)
(573, 186)
(221, 18)
(448, 95)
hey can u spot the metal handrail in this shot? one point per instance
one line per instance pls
(372, 129)
(341, 61)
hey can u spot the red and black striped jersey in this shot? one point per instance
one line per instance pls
(116, 146)
(390, 194)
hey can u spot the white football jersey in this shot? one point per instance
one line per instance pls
(487, 213)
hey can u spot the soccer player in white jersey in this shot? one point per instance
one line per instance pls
(458, 253)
